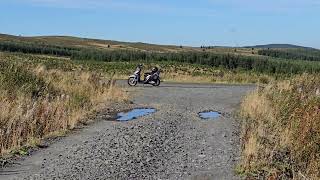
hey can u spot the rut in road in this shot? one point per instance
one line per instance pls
(173, 143)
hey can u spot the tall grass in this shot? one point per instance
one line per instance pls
(281, 131)
(180, 72)
(36, 101)
(171, 71)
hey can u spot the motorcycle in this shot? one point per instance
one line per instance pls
(149, 78)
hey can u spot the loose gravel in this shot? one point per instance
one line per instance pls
(173, 143)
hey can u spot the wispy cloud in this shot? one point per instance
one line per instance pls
(150, 7)
(267, 5)
(206, 8)
(89, 4)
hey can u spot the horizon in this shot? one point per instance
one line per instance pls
(207, 22)
(244, 46)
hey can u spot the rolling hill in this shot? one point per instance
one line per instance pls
(91, 43)
(111, 44)
(278, 46)
(67, 45)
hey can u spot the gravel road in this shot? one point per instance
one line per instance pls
(173, 143)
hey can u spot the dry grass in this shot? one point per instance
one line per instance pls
(281, 130)
(36, 102)
(219, 77)
(200, 74)
(171, 71)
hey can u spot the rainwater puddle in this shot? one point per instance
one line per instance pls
(209, 115)
(134, 114)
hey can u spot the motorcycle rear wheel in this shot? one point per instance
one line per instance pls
(156, 82)
(132, 81)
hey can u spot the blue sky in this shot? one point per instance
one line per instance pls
(186, 22)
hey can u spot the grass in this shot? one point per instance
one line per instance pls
(38, 98)
(179, 72)
(171, 71)
(281, 130)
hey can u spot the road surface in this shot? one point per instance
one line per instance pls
(173, 143)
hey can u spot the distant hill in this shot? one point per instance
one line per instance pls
(71, 43)
(92, 43)
(278, 46)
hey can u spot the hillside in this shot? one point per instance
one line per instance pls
(92, 43)
(69, 42)
(244, 59)
(103, 44)
(278, 46)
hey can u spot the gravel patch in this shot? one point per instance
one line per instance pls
(173, 143)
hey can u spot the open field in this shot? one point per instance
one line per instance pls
(230, 59)
(171, 71)
(49, 85)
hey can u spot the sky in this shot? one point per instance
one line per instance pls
(179, 22)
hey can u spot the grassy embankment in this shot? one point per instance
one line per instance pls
(281, 130)
(41, 97)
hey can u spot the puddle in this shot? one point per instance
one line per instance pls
(134, 114)
(210, 115)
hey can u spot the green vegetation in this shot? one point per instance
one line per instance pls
(37, 48)
(171, 71)
(15, 79)
(297, 54)
(229, 61)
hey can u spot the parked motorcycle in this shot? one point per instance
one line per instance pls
(152, 78)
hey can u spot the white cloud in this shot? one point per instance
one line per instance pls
(78, 3)
(206, 9)
(268, 6)
(127, 6)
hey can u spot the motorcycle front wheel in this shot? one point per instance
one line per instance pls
(132, 81)
(156, 82)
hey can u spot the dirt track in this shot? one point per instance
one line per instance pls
(173, 143)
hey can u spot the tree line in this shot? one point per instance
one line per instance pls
(221, 60)
(297, 54)
(228, 61)
(37, 48)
